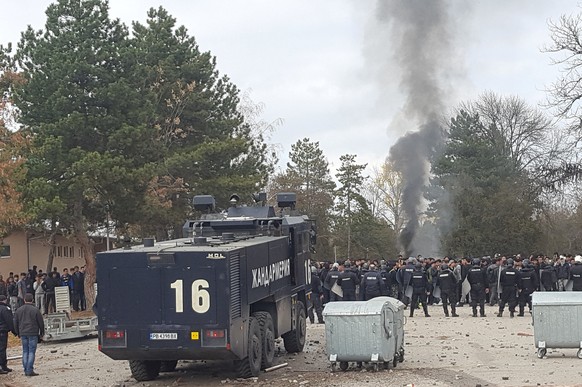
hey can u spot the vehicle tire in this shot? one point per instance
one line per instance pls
(144, 370)
(343, 365)
(268, 338)
(541, 352)
(251, 365)
(168, 366)
(579, 354)
(294, 340)
(375, 367)
(395, 360)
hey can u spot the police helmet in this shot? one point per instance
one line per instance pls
(365, 265)
(418, 265)
(578, 259)
(372, 267)
(509, 262)
(313, 269)
(476, 262)
(347, 264)
(444, 266)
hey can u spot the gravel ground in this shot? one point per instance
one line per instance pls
(440, 351)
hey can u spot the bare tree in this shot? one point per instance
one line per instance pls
(384, 190)
(520, 132)
(566, 92)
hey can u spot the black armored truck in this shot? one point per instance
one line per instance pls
(235, 282)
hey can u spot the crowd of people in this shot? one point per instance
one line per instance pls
(419, 282)
(42, 288)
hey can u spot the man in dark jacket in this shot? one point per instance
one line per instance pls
(372, 284)
(316, 294)
(509, 281)
(477, 277)
(29, 326)
(548, 277)
(49, 290)
(447, 282)
(576, 274)
(528, 285)
(330, 280)
(322, 276)
(348, 281)
(404, 276)
(6, 326)
(420, 290)
(78, 286)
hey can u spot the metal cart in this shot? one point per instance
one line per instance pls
(557, 321)
(365, 331)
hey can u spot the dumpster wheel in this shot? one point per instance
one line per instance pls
(542, 352)
(343, 365)
(579, 354)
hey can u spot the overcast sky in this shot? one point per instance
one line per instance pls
(323, 68)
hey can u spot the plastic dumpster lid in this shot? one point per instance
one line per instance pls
(557, 298)
(362, 308)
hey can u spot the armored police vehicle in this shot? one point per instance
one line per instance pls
(237, 282)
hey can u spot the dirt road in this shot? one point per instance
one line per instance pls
(440, 351)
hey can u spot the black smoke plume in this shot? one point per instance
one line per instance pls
(421, 44)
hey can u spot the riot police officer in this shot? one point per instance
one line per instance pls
(420, 289)
(316, 295)
(372, 284)
(508, 280)
(576, 274)
(528, 283)
(404, 276)
(348, 281)
(330, 280)
(447, 282)
(477, 277)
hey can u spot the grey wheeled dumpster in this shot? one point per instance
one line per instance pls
(365, 331)
(557, 321)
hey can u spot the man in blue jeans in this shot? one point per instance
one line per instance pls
(29, 326)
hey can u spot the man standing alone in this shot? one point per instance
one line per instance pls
(29, 326)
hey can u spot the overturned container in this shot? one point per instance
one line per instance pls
(557, 321)
(365, 331)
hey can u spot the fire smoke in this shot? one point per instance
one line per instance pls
(421, 45)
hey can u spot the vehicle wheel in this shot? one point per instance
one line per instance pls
(251, 364)
(294, 340)
(168, 366)
(144, 370)
(268, 338)
(333, 367)
(395, 360)
(579, 354)
(375, 367)
(343, 365)
(541, 352)
(386, 365)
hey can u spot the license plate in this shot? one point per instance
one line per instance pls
(163, 336)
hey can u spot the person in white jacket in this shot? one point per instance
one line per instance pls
(39, 297)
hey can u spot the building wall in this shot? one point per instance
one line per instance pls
(28, 249)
